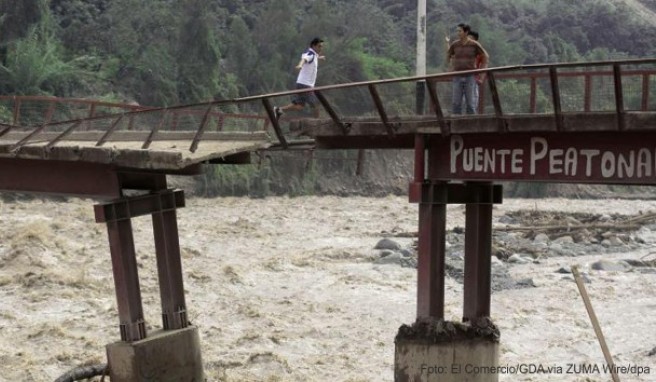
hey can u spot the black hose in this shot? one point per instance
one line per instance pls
(83, 372)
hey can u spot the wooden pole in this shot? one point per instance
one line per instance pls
(595, 323)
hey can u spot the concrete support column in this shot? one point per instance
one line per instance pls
(445, 360)
(165, 356)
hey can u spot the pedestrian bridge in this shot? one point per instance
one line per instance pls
(572, 122)
(615, 96)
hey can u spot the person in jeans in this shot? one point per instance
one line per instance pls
(307, 76)
(462, 55)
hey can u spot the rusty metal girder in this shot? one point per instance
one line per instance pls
(126, 280)
(430, 260)
(128, 208)
(438, 192)
(59, 177)
(478, 258)
(169, 264)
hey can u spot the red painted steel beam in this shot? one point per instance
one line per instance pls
(437, 107)
(126, 280)
(16, 110)
(378, 102)
(433, 199)
(63, 135)
(533, 96)
(587, 95)
(331, 112)
(420, 158)
(128, 208)
(431, 248)
(201, 130)
(496, 101)
(619, 97)
(430, 259)
(59, 177)
(555, 97)
(274, 121)
(645, 93)
(454, 193)
(154, 130)
(478, 252)
(47, 118)
(169, 265)
(135, 180)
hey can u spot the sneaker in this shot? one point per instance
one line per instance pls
(278, 111)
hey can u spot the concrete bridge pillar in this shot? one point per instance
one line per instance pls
(165, 356)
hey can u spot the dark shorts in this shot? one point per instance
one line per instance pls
(304, 98)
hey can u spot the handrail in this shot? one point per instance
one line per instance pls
(553, 73)
(435, 77)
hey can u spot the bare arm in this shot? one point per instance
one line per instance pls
(485, 59)
(449, 57)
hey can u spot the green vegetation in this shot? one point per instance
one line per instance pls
(162, 52)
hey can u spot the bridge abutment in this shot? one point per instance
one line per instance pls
(453, 360)
(165, 356)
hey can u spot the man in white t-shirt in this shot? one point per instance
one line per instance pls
(307, 77)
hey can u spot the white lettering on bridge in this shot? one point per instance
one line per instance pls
(537, 158)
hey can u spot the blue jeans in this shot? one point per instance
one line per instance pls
(464, 86)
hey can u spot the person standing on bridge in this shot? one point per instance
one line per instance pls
(308, 68)
(480, 77)
(461, 56)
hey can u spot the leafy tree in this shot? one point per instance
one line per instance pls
(141, 36)
(497, 43)
(80, 22)
(242, 54)
(16, 17)
(558, 49)
(36, 64)
(198, 55)
(278, 48)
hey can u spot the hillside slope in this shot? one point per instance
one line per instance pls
(644, 9)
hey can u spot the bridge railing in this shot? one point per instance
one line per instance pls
(611, 86)
(34, 119)
(576, 89)
(37, 110)
(579, 87)
(553, 89)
